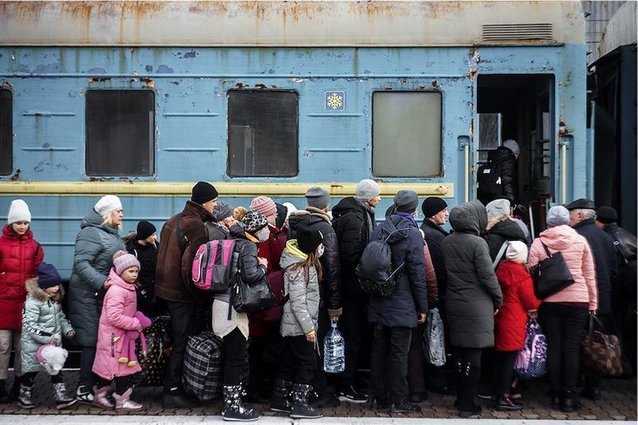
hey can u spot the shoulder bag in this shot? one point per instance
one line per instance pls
(551, 275)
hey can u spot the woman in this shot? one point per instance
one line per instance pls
(95, 245)
(234, 331)
(473, 297)
(563, 315)
(501, 227)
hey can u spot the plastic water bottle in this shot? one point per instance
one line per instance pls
(334, 355)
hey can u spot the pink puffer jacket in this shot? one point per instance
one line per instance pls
(578, 257)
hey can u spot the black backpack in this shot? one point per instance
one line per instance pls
(488, 180)
(375, 272)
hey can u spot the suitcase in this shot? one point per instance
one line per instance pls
(202, 369)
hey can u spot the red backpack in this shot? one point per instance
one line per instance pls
(212, 266)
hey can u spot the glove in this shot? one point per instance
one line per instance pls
(144, 321)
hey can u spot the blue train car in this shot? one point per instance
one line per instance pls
(142, 99)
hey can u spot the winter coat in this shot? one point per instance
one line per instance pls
(272, 248)
(626, 241)
(400, 308)
(117, 318)
(147, 256)
(301, 312)
(434, 235)
(504, 230)
(95, 246)
(577, 255)
(330, 285)
(604, 253)
(20, 256)
(42, 318)
(430, 277)
(251, 273)
(507, 159)
(175, 257)
(518, 298)
(473, 293)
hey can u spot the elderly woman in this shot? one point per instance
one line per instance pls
(95, 245)
(473, 297)
(501, 226)
(563, 315)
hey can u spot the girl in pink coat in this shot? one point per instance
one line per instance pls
(118, 321)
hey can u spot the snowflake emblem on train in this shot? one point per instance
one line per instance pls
(336, 100)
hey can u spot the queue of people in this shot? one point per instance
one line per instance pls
(478, 276)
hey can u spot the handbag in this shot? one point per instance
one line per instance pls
(531, 361)
(601, 352)
(158, 351)
(551, 275)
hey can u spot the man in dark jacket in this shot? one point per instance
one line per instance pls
(582, 217)
(181, 236)
(503, 158)
(353, 222)
(316, 217)
(394, 316)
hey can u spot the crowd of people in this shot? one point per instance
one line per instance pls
(477, 276)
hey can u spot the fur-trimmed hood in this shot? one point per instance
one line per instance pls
(39, 294)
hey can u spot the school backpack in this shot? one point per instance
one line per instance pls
(212, 266)
(488, 180)
(375, 272)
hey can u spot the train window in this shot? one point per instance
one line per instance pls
(406, 134)
(263, 128)
(6, 132)
(120, 136)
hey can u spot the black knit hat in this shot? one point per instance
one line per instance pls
(606, 215)
(145, 229)
(433, 205)
(48, 276)
(308, 239)
(203, 192)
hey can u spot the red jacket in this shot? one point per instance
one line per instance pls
(518, 298)
(20, 256)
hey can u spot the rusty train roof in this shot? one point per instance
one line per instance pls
(290, 23)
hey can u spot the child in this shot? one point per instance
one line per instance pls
(117, 319)
(302, 274)
(20, 256)
(511, 319)
(43, 323)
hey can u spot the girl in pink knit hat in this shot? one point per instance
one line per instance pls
(120, 324)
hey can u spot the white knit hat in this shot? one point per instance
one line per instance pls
(106, 204)
(18, 211)
(516, 252)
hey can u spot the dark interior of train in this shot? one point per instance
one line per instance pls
(521, 108)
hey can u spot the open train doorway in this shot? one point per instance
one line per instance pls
(520, 107)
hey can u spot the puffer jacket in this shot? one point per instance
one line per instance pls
(330, 285)
(409, 297)
(626, 241)
(473, 293)
(301, 312)
(175, 257)
(20, 256)
(117, 318)
(518, 299)
(580, 262)
(95, 246)
(605, 259)
(504, 230)
(434, 235)
(508, 175)
(42, 318)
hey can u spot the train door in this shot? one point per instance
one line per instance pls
(520, 107)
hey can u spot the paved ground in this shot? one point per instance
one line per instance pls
(618, 403)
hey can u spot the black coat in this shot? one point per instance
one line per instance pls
(434, 235)
(147, 256)
(626, 241)
(604, 253)
(409, 297)
(330, 285)
(506, 230)
(353, 224)
(473, 293)
(507, 159)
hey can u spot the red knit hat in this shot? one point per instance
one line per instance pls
(264, 205)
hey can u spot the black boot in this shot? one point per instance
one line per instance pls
(505, 402)
(300, 407)
(281, 396)
(569, 402)
(25, 398)
(4, 395)
(15, 388)
(234, 410)
(468, 381)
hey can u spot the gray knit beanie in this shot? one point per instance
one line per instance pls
(557, 216)
(317, 197)
(366, 190)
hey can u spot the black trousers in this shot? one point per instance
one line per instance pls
(87, 377)
(320, 379)
(299, 360)
(353, 324)
(264, 355)
(389, 362)
(235, 357)
(183, 316)
(563, 325)
(416, 361)
(503, 371)
(29, 377)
